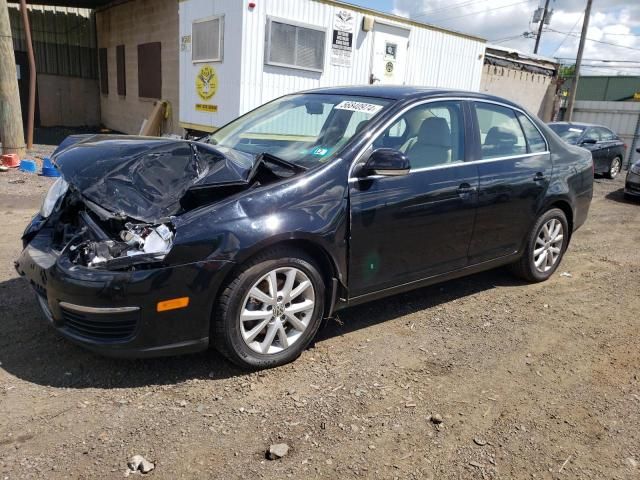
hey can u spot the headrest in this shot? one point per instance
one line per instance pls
(435, 131)
(500, 136)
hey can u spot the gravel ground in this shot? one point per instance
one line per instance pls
(480, 378)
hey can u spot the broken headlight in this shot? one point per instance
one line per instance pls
(55, 193)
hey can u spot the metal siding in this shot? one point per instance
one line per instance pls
(227, 96)
(435, 58)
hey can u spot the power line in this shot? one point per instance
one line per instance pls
(600, 60)
(484, 11)
(506, 39)
(594, 40)
(442, 9)
(603, 33)
(566, 36)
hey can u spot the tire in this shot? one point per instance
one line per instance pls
(526, 267)
(287, 343)
(614, 168)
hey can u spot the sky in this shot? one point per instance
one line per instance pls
(614, 27)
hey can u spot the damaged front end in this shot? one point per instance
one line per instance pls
(115, 204)
(90, 237)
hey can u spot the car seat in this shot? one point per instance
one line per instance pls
(432, 146)
(499, 142)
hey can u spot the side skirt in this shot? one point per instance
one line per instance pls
(463, 272)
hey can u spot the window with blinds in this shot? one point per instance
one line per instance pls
(207, 39)
(295, 46)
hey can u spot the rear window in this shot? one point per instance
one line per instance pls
(500, 131)
(535, 140)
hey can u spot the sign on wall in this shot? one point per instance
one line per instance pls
(206, 82)
(344, 23)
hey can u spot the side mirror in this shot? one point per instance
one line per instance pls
(386, 161)
(589, 141)
(638, 149)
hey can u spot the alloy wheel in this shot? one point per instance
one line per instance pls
(615, 167)
(277, 310)
(548, 246)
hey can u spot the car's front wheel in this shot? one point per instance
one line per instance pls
(546, 244)
(270, 311)
(614, 168)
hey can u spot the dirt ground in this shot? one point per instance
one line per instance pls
(531, 381)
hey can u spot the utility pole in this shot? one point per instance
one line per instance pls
(11, 131)
(583, 38)
(544, 17)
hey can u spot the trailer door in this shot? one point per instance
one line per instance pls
(389, 56)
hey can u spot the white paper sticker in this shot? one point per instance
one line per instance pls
(575, 130)
(370, 108)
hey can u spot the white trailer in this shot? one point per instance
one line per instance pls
(238, 54)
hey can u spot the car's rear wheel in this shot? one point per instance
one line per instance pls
(545, 247)
(270, 311)
(614, 168)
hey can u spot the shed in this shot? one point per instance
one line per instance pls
(236, 55)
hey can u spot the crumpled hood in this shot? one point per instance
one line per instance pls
(145, 177)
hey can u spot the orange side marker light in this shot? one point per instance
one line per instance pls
(173, 304)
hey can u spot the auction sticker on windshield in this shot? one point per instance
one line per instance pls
(370, 108)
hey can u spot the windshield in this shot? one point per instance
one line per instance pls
(305, 129)
(569, 133)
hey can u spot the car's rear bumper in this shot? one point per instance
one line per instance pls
(115, 312)
(632, 184)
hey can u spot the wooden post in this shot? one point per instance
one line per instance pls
(32, 73)
(11, 131)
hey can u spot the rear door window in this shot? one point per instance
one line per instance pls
(592, 134)
(606, 135)
(500, 132)
(535, 140)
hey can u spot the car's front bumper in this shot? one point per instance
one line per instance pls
(632, 184)
(115, 312)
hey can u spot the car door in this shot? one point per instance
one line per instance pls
(410, 227)
(592, 141)
(514, 170)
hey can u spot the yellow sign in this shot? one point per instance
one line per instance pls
(203, 107)
(206, 82)
(636, 96)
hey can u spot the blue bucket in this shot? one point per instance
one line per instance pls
(49, 169)
(28, 166)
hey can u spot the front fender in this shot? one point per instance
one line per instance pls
(312, 208)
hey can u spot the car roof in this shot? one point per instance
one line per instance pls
(406, 92)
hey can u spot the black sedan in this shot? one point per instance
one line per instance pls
(632, 182)
(247, 239)
(605, 146)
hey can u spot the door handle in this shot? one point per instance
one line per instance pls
(540, 177)
(464, 190)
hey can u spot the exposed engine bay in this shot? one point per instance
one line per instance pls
(91, 239)
(150, 240)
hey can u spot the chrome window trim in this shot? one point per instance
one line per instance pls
(450, 165)
(85, 309)
(388, 123)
